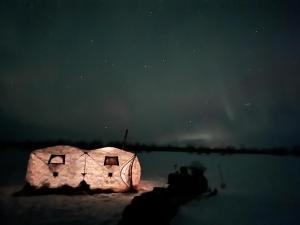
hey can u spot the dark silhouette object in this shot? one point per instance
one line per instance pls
(189, 179)
(199, 181)
(161, 205)
(156, 207)
(125, 139)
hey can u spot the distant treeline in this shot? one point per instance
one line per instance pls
(138, 147)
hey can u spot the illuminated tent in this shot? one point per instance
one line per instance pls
(104, 168)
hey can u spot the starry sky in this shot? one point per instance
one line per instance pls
(182, 72)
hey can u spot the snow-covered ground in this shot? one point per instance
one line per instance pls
(259, 190)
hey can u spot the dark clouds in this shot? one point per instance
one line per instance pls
(200, 72)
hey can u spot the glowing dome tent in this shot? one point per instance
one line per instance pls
(104, 168)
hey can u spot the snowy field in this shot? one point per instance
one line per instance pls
(259, 190)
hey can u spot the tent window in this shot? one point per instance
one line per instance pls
(111, 160)
(57, 159)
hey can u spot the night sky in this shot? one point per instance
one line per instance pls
(210, 72)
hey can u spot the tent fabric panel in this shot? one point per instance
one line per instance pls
(100, 176)
(39, 173)
(81, 165)
(136, 172)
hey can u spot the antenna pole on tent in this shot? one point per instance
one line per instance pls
(125, 139)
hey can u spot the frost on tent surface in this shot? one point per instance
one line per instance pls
(105, 168)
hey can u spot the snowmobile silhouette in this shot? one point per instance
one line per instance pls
(190, 180)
